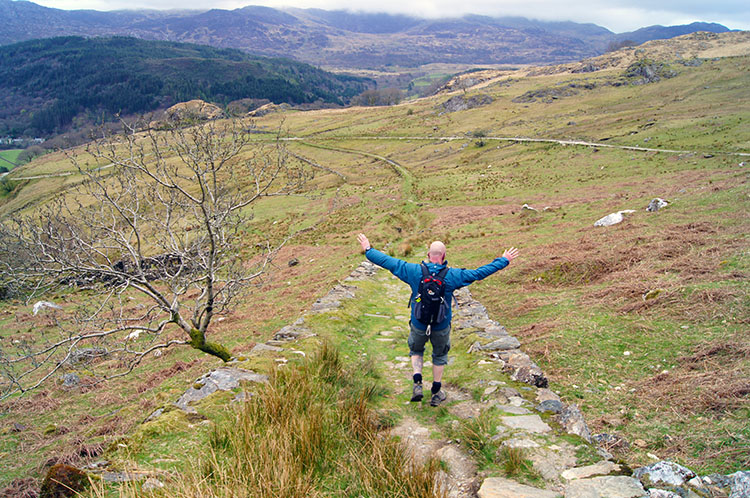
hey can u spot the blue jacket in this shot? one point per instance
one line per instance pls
(455, 278)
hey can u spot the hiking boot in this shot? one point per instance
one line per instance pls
(416, 392)
(438, 398)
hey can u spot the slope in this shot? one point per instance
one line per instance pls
(642, 324)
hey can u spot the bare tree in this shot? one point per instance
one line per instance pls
(159, 235)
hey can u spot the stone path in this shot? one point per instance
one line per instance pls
(531, 417)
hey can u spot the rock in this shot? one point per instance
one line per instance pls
(17, 427)
(502, 344)
(740, 484)
(528, 423)
(193, 110)
(550, 406)
(572, 421)
(598, 469)
(262, 348)
(152, 484)
(663, 474)
(40, 305)
(293, 262)
(611, 441)
(497, 487)
(530, 374)
(545, 395)
(63, 481)
(524, 443)
(605, 487)
(461, 103)
(221, 379)
(70, 380)
(515, 410)
(526, 207)
(465, 409)
(291, 332)
(656, 204)
(661, 493)
(612, 219)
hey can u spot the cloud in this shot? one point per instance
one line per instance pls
(616, 15)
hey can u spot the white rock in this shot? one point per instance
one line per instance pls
(601, 468)
(497, 487)
(528, 423)
(39, 305)
(612, 219)
(605, 487)
(152, 484)
(656, 204)
(663, 473)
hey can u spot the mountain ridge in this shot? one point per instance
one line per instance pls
(340, 39)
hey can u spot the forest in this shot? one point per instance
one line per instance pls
(48, 85)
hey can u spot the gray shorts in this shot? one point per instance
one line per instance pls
(440, 340)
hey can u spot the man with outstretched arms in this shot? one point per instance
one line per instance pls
(432, 281)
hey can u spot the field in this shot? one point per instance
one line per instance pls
(9, 157)
(643, 324)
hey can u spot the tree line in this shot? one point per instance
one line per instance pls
(56, 81)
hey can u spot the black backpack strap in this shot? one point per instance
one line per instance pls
(441, 274)
(425, 270)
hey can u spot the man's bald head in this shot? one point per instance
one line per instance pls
(437, 251)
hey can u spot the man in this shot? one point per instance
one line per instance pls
(438, 333)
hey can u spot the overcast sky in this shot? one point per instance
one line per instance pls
(616, 15)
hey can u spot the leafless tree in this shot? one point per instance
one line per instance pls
(153, 244)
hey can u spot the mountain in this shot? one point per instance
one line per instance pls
(46, 84)
(660, 32)
(338, 39)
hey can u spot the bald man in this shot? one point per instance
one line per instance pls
(437, 333)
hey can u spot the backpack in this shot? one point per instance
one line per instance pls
(431, 306)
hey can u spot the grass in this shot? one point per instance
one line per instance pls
(9, 158)
(574, 298)
(309, 431)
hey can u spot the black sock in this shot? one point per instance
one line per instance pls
(436, 387)
(417, 378)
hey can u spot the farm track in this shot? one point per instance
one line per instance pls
(401, 171)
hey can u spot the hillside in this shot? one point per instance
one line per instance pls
(338, 39)
(47, 84)
(643, 324)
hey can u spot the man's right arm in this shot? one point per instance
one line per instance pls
(398, 267)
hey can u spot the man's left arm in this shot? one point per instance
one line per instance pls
(469, 276)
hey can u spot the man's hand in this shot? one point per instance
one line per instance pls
(363, 242)
(509, 254)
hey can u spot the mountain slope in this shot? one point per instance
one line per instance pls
(338, 39)
(54, 80)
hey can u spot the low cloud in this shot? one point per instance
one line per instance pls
(616, 15)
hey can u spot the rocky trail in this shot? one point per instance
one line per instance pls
(520, 413)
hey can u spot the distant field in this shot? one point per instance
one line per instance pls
(8, 157)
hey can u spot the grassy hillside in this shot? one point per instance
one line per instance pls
(48, 83)
(643, 324)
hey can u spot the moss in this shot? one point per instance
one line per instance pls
(198, 341)
(63, 481)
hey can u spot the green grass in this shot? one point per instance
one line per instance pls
(9, 156)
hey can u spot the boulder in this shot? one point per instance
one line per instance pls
(502, 344)
(605, 487)
(664, 474)
(656, 204)
(572, 421)
(740, 484)
(221, 379)
(613, 218)
(527, 423)
(63, 481)
(497, 487)
(602, 468)
(461, 103)
(550, 406)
